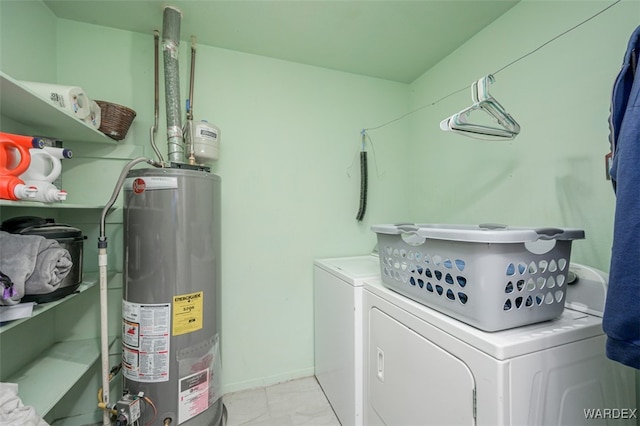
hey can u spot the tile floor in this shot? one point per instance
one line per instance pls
(298, 402)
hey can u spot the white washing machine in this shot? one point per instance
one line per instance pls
(422, 367)
(338, 316)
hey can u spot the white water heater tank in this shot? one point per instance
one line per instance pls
(206, 142)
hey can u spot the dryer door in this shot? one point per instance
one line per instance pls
(414, 382)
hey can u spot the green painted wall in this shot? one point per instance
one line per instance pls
(553, 173)
(28, 43)
(13, 17)
(290, 140)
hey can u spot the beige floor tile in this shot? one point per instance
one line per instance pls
(298, 402)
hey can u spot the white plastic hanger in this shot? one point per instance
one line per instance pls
(482, 100)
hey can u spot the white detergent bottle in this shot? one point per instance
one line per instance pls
(46, 192)
(44, 169)
(45, 164)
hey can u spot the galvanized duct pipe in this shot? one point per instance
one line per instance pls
(153, 132)
(170, 45)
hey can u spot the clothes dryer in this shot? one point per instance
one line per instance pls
(422, 367)
(338, 284)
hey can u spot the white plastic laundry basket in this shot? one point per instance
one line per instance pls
(492, 277)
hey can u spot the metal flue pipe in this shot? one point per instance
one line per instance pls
(170, 48)
(192, 158)
(153, 132)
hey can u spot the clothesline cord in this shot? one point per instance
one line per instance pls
(496, 72)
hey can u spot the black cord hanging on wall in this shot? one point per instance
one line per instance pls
(363, 181)
(363, 153)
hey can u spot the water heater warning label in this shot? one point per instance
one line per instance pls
(194, 395)
(145, 339)
(187, 313)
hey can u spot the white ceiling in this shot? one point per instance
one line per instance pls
(389, 39)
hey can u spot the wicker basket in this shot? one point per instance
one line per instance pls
(115, 119)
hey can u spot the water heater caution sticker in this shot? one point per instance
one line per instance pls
(145, 341)
(187, 313)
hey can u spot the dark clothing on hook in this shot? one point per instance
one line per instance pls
(621, 320)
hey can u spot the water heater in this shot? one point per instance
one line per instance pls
(171, 298)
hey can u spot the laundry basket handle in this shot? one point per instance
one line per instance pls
(492, 226)
(407, 227)
(409, 234)
(548, 233)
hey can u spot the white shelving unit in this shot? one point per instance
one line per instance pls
(57, 205)
(45, 379)
(24, 106)
(89, 280)
(43, 382)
